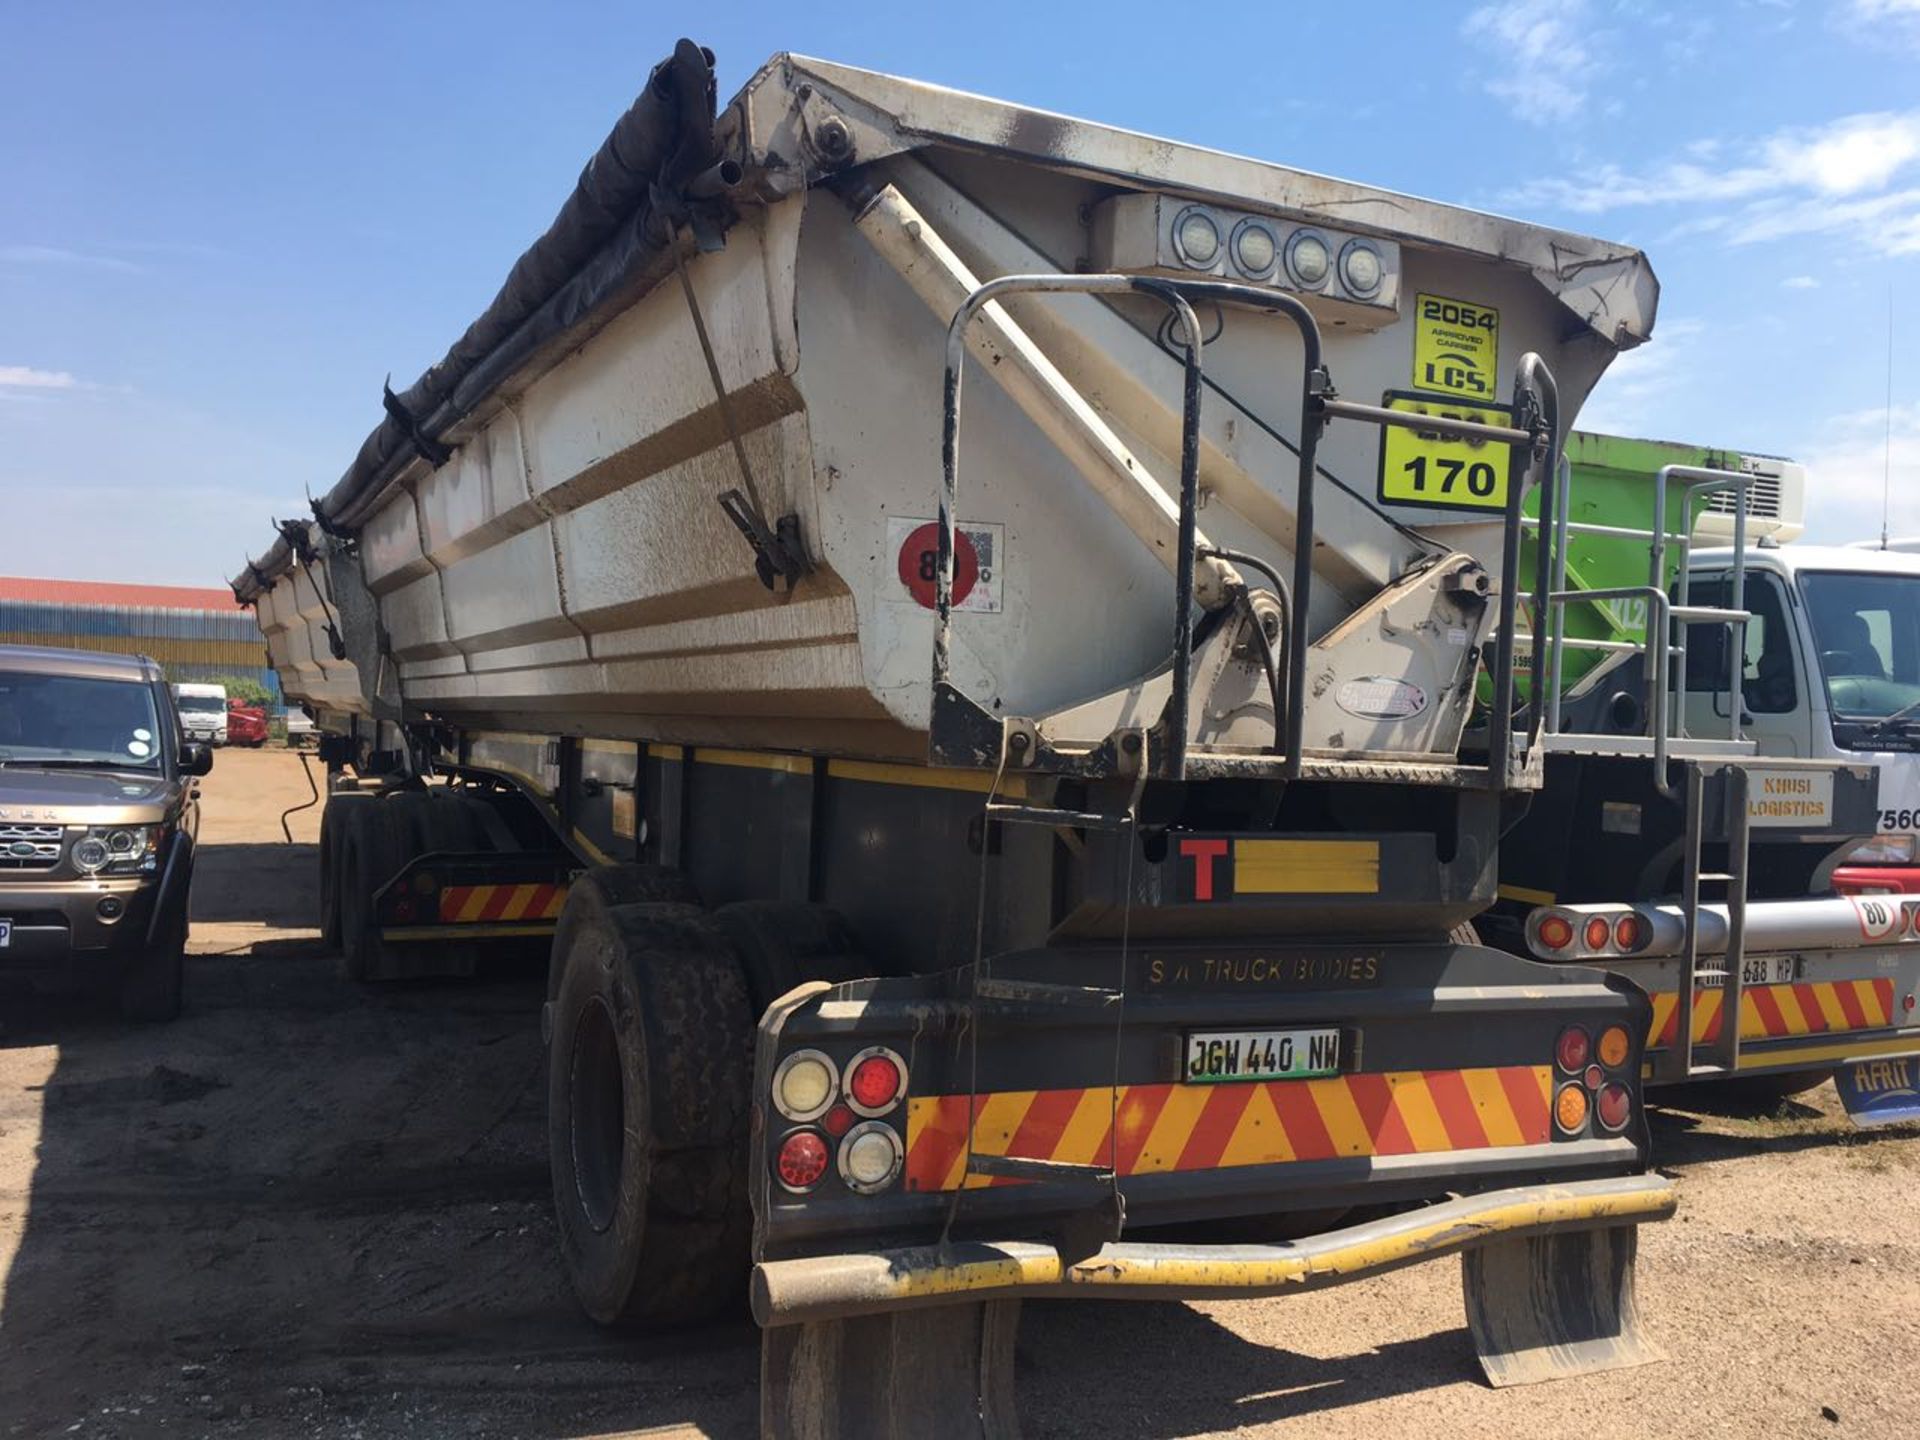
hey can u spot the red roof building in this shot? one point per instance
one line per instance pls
(108, 592)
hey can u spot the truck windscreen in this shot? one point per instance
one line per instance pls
(1867, 631)
(76, 720)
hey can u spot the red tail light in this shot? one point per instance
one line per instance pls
(875, 1082)
(802, 1160)
(1556, 932)
(1613, 1106)
(1571, 1050)
(1626, 931)
(1599, 932)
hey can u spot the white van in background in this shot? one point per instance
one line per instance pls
(203, 712)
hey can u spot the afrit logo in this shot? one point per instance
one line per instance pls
(1884, 1079)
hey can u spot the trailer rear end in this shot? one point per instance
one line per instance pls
(963, 626)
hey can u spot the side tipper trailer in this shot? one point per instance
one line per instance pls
(967, 629)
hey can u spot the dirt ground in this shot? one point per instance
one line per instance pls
(312, 1209)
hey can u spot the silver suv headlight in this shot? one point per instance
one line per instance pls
(118, 849)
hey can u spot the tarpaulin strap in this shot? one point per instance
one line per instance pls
(327, 525)
(777, 553)
(294, 532)
(431, 450)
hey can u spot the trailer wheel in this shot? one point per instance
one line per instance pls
(596, 893)
(333, 830)
(648, 1081)
(371, 853)
(784, 943)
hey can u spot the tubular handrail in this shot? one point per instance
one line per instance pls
(1536, 397)
(1669, 610)
(1661, 613)
(1167, 295)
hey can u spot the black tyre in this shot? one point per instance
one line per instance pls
(333, 829)
(783, 943)
(649, 1070)
(372, 851)
(594, 895)
(155, 985)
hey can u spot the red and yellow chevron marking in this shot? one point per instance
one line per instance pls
(1206, 1127)
(474, 904)
(1769, 1012)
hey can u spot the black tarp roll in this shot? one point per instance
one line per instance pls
(606, 234)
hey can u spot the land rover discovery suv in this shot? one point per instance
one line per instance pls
(98, 818)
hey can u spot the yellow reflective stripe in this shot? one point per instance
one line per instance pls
(1259, 1138)
(1306, 867)
(1418, 1112)
(1341, 1116)
(1830, 1008)
(1870, 1006)
(927, 777)
(755, 760)
(1173, 1127)
(1490, 1103)
(1084, 1141)
(1770, 1058)
(997, 1122)
(1521, 892)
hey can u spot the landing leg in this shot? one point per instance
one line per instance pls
(1552, 1306)
(938, 1374)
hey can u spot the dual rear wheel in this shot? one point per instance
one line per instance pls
(650, 1064)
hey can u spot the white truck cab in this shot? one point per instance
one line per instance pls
(203, 712)
(1831, 671)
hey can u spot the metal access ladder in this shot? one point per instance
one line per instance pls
(1687, 1059)
(1666, 738)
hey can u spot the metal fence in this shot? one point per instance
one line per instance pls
(191, 644)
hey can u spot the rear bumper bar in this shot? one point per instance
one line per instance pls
(831, 1287)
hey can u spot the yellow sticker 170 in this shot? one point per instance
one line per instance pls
(1423, 468)
(1456, 346)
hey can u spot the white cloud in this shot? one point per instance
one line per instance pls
(1848, 473)
(56, 255)
(1874, 20)
(25, 377)
(1800, 282)
(1543, 56)
(1821, 179)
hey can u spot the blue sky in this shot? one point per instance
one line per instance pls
(222, 226)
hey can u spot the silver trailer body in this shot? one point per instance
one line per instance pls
(566, 568)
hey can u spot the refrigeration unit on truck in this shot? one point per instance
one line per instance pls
(1646, 854)
(964, 627)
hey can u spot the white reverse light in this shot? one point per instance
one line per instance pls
(804, 1085)
(1254, 249)
(1308, 259)
(1197, 238)
(870, 1157)
(1360, 268)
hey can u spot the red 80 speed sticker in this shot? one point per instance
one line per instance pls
(978, 563)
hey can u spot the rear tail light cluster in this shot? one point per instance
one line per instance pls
(1591, 1079)
(839, 1116)
(1583, 933)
